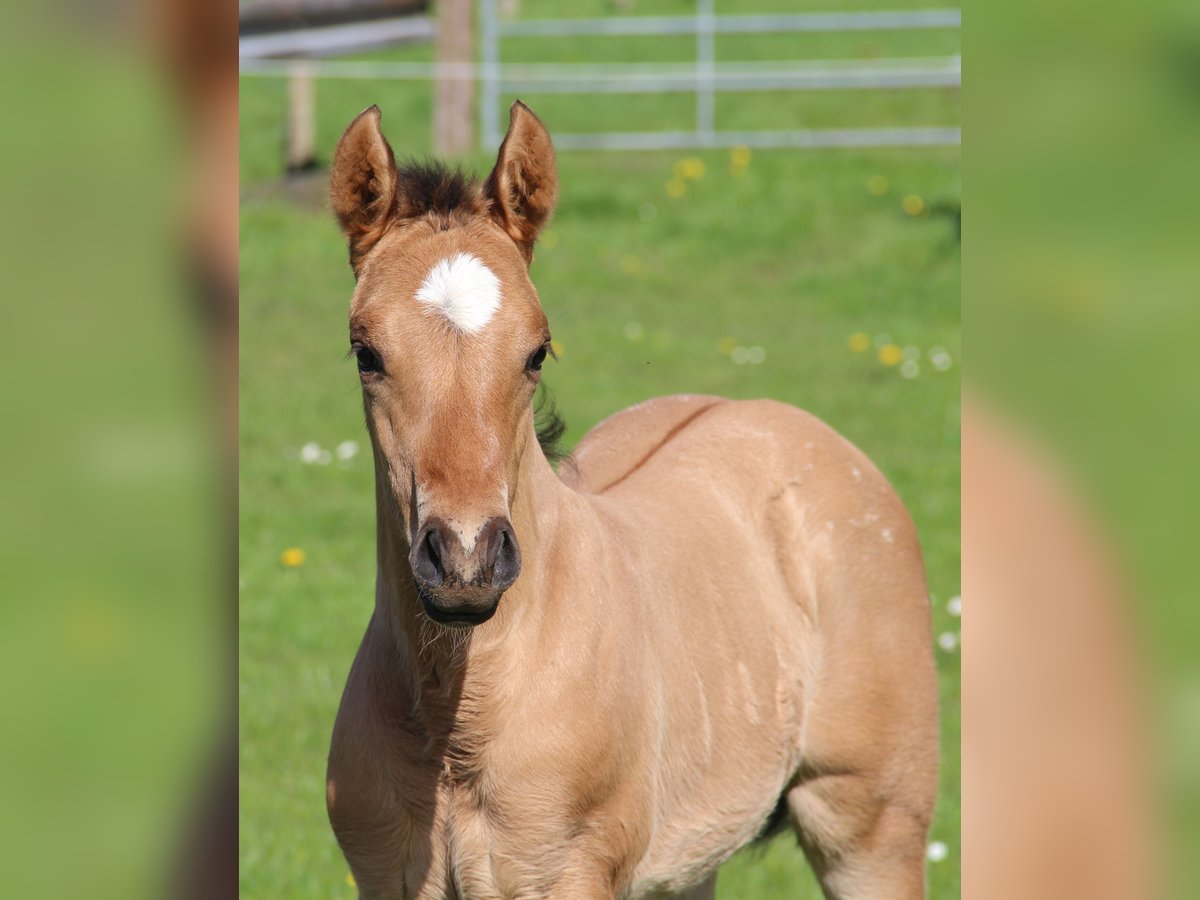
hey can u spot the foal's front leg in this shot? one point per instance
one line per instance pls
(861, 847)
(596, 888)
(589, 885)
(704, 891)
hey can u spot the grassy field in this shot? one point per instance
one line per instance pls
(647, 294)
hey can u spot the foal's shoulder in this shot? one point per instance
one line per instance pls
(624, 441)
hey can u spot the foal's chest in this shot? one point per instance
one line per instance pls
(448, 849)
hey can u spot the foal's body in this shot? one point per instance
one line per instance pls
(755, 631)
(720, 620)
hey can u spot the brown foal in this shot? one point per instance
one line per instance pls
(603, 684)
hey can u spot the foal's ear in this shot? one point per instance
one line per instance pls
(362, 185)
(524, 185)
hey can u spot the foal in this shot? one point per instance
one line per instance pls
(603, 685)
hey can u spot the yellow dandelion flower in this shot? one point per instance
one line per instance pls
(350, 880)
(877, 185)
(739, 157)
(890, 355)
(692, 168)
(292, 557)
(556, 348)
(676, 188)
(549, 239)
(859, 341)
(726, 345)
(913, 205)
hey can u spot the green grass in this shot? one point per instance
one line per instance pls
(793, 256)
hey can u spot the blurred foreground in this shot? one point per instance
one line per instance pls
(118, 242)
(1081, 674)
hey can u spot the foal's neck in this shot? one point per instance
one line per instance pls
(434, 659)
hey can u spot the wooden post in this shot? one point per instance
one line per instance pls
(454, 99)
(301, 121)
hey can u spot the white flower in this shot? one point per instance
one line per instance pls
(954, 606)
(347, 450)
(740, 356)
(756, 355)
(936, 851)
(948, 641)
(940, 359)
(909, 369)
(310, 452)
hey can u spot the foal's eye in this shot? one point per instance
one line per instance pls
(535, 361)
(368, 362)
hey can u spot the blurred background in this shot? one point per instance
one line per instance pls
(757, 200)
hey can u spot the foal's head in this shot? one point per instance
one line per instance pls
(450, 338)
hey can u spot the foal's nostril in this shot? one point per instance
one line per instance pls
(427, 556)
(495, 541)
(503, 560)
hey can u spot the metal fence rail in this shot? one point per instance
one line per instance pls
(603, 78)
(807, 76)
(751, 24)
(827, 137)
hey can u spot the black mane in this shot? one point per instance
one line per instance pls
(549, 426)
(432, 188)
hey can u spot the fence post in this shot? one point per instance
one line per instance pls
(453, 116)
(705, 52)
(301, 120)
(489, 112)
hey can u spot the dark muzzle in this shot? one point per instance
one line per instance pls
(461, 588)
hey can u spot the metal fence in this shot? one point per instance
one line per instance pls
(705, 77)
